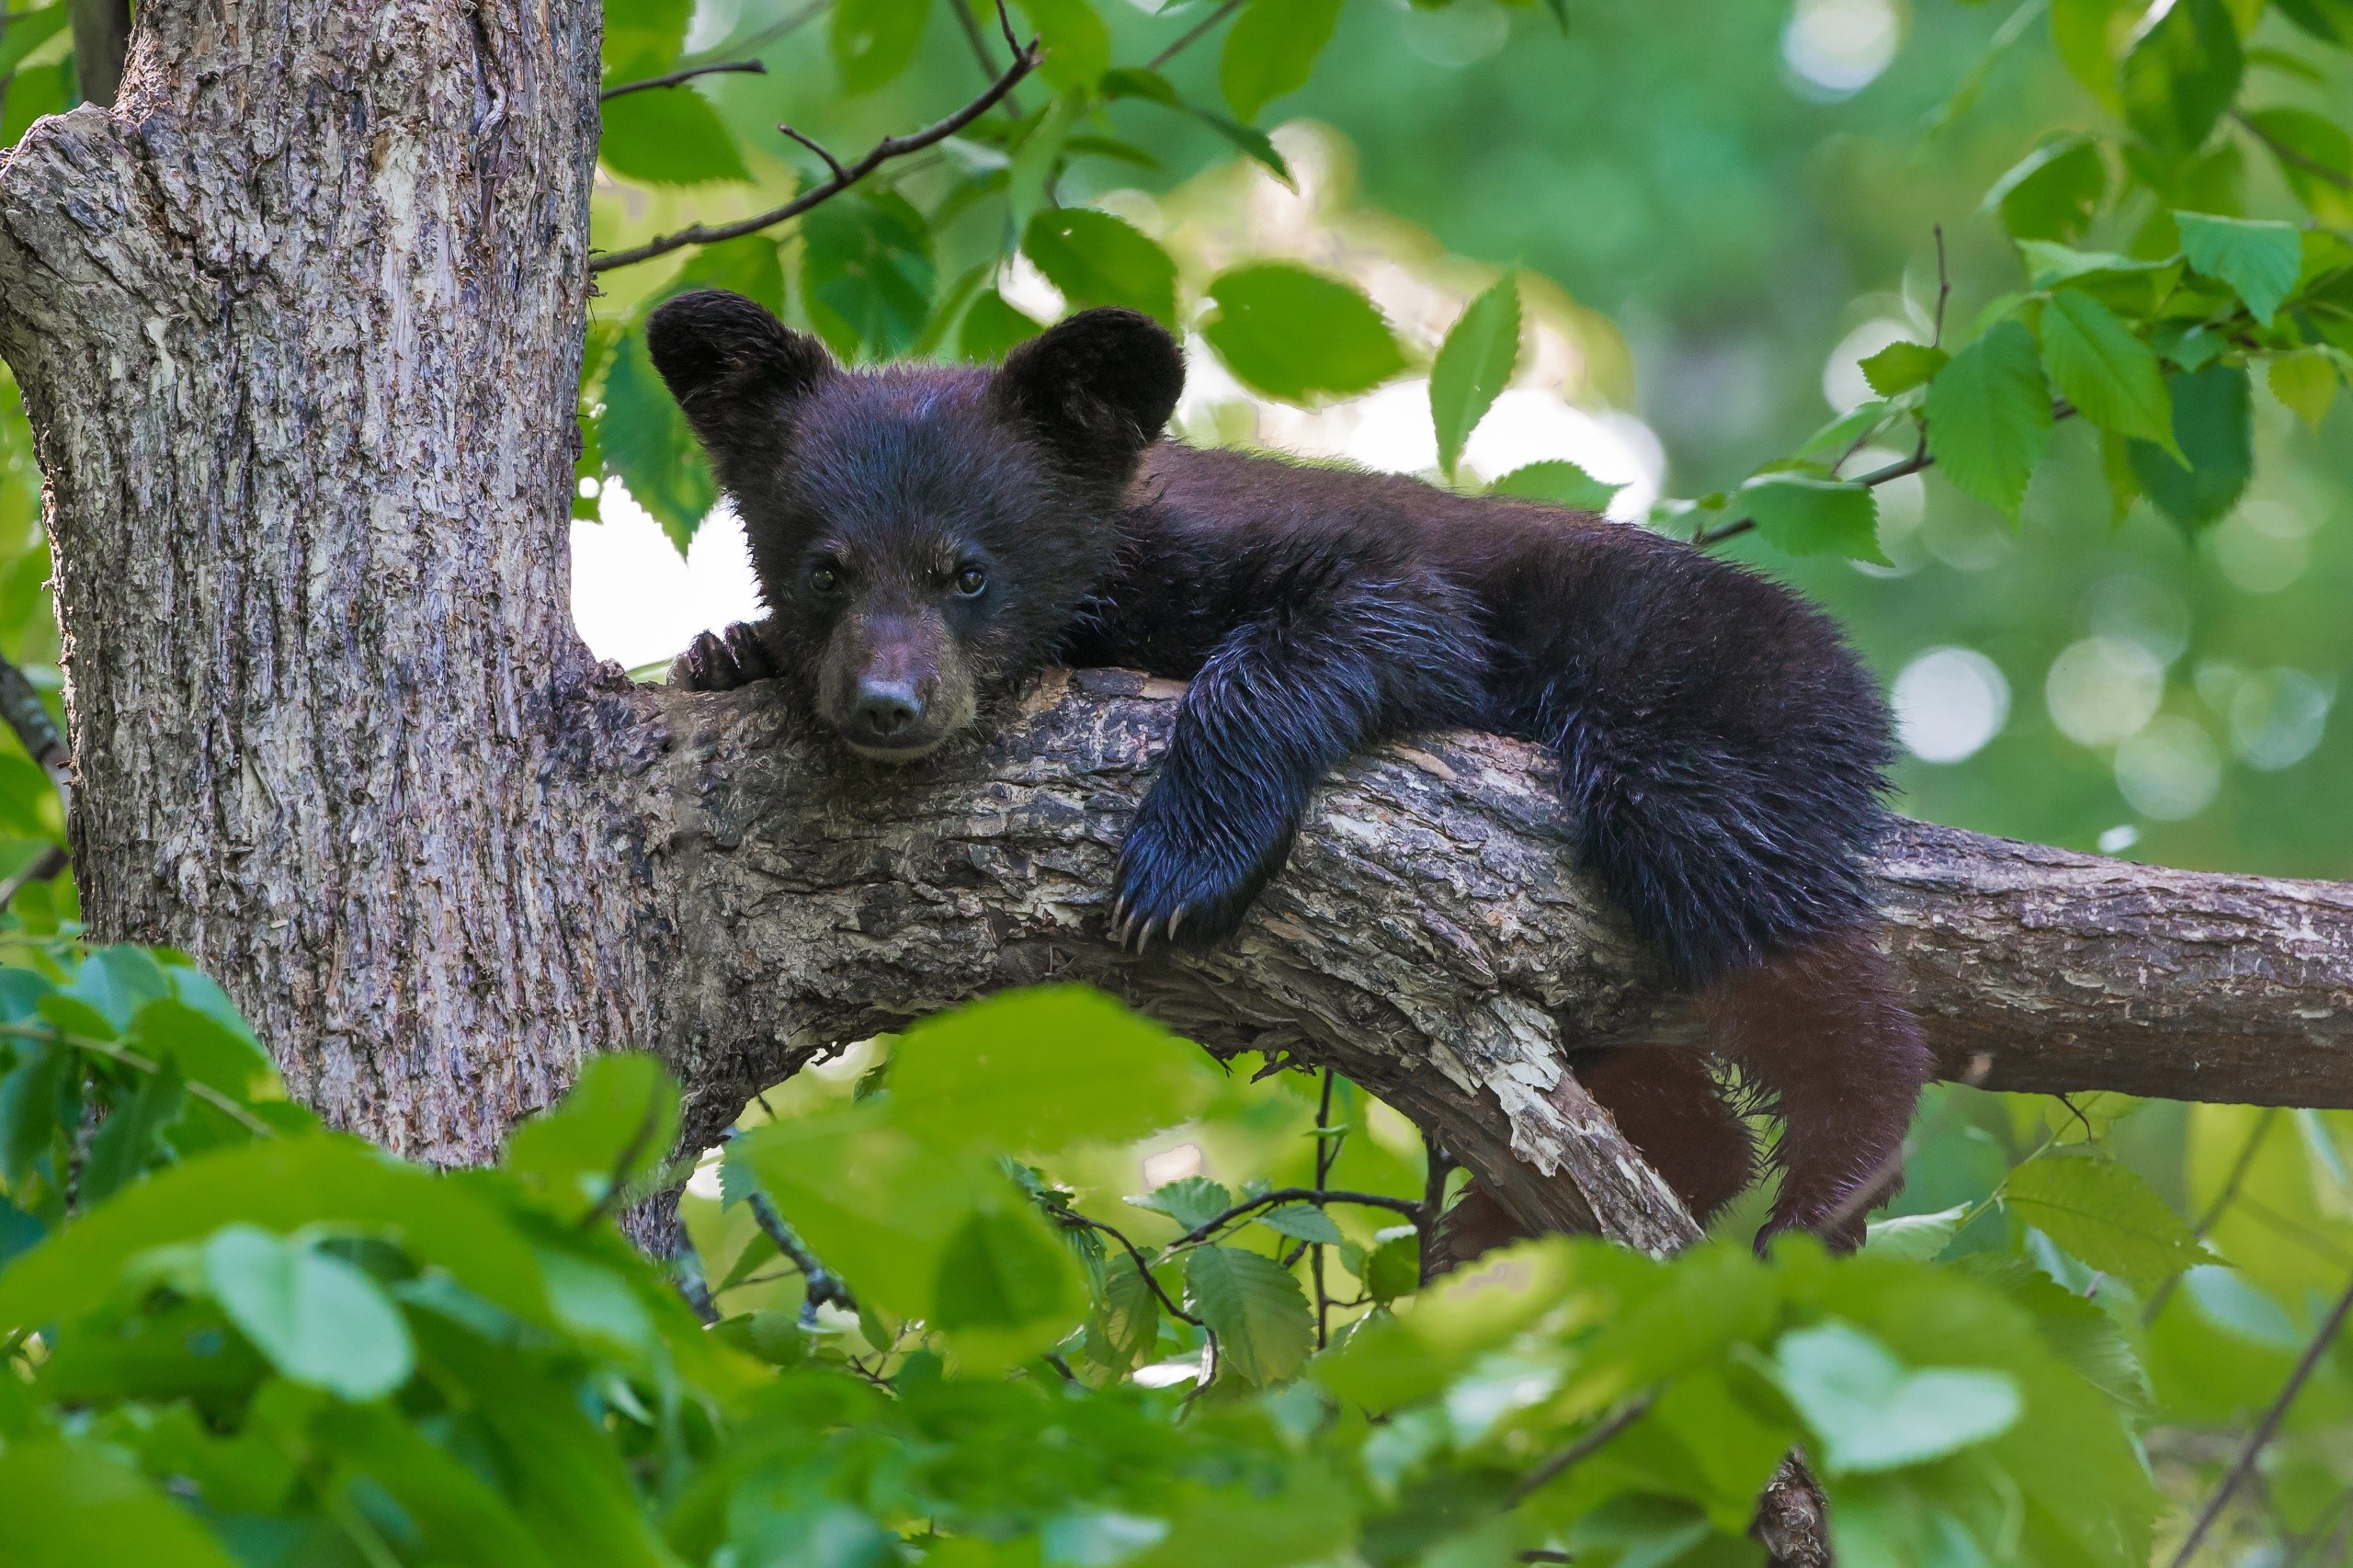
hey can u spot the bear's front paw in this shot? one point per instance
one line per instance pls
(1188, 884)
(716, 662)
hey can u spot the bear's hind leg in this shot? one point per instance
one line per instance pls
(1822, 1032)
(1669, 1106)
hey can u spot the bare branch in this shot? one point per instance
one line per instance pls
(1024, 61)
(841, 175)
(679, 78)
(2266, 1429)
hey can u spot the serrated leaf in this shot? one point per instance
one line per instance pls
(866, 274)
(1989, 416)
(2105, 1214)
(1559, 481)
(2213, 428)
(2260, 261)
(873, 41)
(1271, 51)
(1800, 515)
(669, 136)
(1001, 1274)
(1078, 46)
(1303, 1221)
(1899, 367)
(1873, 1414)
(1848, 430)
(648, 446)
(2054, 192)
(320, 1321)
(1255, 1307)
(1473, 366)
(2181, 73)
(616, 1124)
(1131, 1310)
(1097, 259)
(2306, 382)
(1192, 1201)
(2110, 376)
(1296, 334)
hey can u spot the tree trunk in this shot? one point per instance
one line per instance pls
(298, 325)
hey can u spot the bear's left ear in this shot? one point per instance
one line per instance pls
(1100, 387)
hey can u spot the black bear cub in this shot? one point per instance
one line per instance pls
(929, 539)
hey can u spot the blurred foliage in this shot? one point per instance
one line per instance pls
(2090, 259)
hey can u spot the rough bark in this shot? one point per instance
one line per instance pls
(299, 324)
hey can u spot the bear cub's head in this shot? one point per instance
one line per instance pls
(924, 537)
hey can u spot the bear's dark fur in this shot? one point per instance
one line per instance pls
(929, 539)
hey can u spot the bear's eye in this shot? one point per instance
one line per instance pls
(970, 581)
(824, 579)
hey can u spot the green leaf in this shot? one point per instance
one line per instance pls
(2331, 21)
(990, 328)
(2259, 261)
(2104, 1213)
(2314, 155)
(649, 448)
(1899, 367)
(1004, 1279)
(1800, 515)
(2182, 71)
(1296, 334)
(2213, 428)
(1304, 1222)
(1849, 431)
(320, 1322)
(1919, 1237)
(1131, 1310)
(2306, 382)
(1255, 1307)
(749, 265)
(1271, 51)
(669, 136)
(1871, 1414)
(27, 32)
(1035, 161)
(1394, 1268)
(617, 1125)
(1078, 46)
(2087, 36)
(1989, 416)
(279, 1185)
(1097, 259)
(1192, 1201)
(873, 41)
(642, 38)
(30, 1097)
(1473, 366)
(1559, 481)
(2078, 1332)
(1036, 1070)
(2054, 192)
(866, 274)
(126, 1143)
(73, 1503)
(2110, 376)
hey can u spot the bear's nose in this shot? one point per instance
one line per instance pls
(886, 708)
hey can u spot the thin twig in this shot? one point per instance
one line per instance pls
(824, 1285)
(1535, 1480)
(1944, 290)
(1193, 34)
(1143, 1266)
(2292, 156)
(840, 174)
(2266, 1428)
(679, 78)
(1316, 1195)
(971, 30)
(1326, 1153)
(139, 1063)
(1024, 61)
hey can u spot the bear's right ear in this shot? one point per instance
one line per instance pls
(1100, 387)
(735, 369)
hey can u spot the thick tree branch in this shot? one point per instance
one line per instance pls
(1428, 938)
